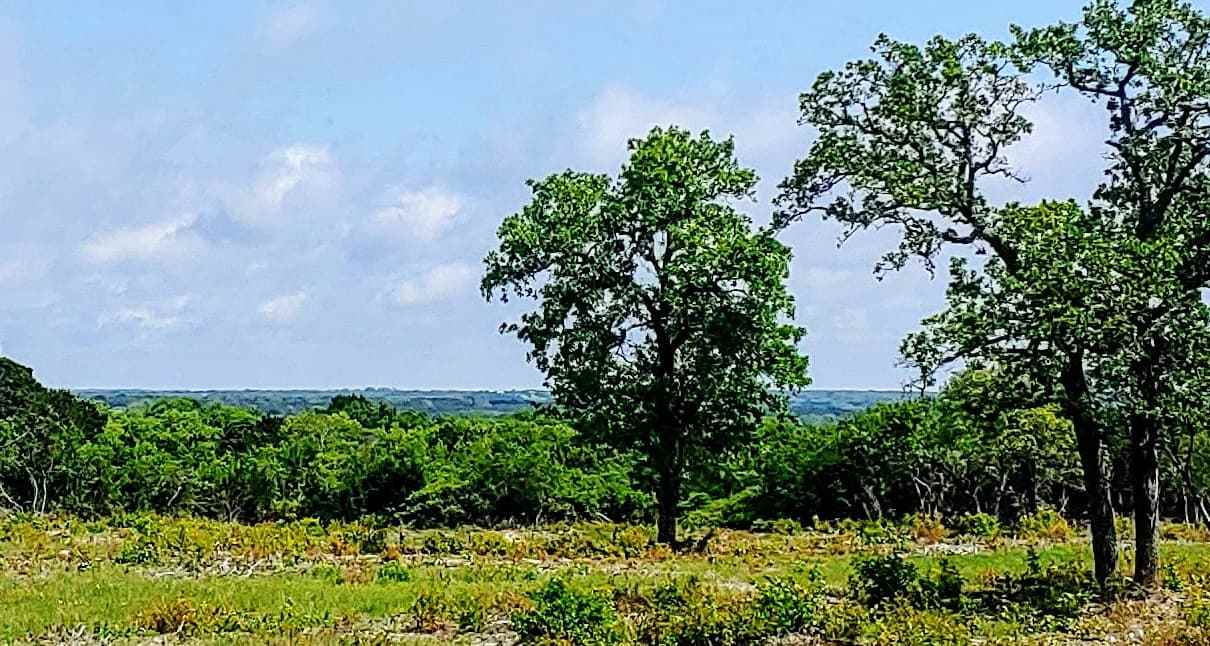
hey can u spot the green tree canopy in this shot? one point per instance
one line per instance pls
(662, 314)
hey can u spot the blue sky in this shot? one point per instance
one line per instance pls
(299, 194)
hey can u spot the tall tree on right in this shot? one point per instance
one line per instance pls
(1148, 64)
(912, 137)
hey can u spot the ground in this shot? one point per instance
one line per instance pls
(148, 579)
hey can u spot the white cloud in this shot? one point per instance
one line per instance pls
(295, 181)
(438, 283)
(23, 264)
(1062, 158)
(149, 317)
(160, 241)
(619, 114)
(764, 127)
(283, 308)
(291, 24)
(291, 169)
(420, 215)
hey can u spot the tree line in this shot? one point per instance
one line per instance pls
(963, 453)
(663, 323)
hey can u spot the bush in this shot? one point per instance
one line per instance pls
(1050, 593)
(926, 528)
(978, 525)
(687, 613)
(878, 581)
(170, 616)
(393, 573)
(561, 615)
(1046, 524)
(784, 606)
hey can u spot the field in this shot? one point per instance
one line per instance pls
(153, 579)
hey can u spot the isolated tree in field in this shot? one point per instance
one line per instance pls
(912, 138)
(662, 318)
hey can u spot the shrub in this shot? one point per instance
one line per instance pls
(784, 606)
(879, 579)
(926, 528)
(904, 625)
(170, 616)
(979, 525)
(944, 591)
(876, 581)
(1046, 524)
(1053, 593)
(633, 540)
(393, 573)
(783, 526)
(1185, 532)
(566, 616)
(687, 613)
(431, 613)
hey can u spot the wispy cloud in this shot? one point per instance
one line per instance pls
(420, 215)
(170, 240)
(290, 168)
(149, 317)
(290, 24)
(283, 308)
(438, 283)
(762, 126)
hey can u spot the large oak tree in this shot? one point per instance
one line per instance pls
(911, 138)
(1106, 299)
(662, 318)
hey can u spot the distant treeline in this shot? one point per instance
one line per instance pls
(958, 453)
(811, 404)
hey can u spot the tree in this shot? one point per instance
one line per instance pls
(1024, 448)
(911, 138)
(1148, 64)
(41, 431)
(662, 316)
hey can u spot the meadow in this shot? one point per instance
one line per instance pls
(142, 578)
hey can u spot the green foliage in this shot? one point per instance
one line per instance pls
(562, 615)
(661, 319)
(785, 606)
(957, 453)
(1053, 593)
(357, 459)
(978, 525)
(393, 572)
(42, 433)
(1046, 524)
(878, 581)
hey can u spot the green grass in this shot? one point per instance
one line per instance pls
(301, 582)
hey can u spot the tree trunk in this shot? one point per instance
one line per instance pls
(1145, 465)
(668, 498)
(1031, 487)
(1145, 487)
(1095, 470)
(1100, 503)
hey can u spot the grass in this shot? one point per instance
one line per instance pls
(63, 580)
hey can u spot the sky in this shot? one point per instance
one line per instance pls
(300, 194)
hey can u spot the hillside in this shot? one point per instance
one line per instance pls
(811, 404)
